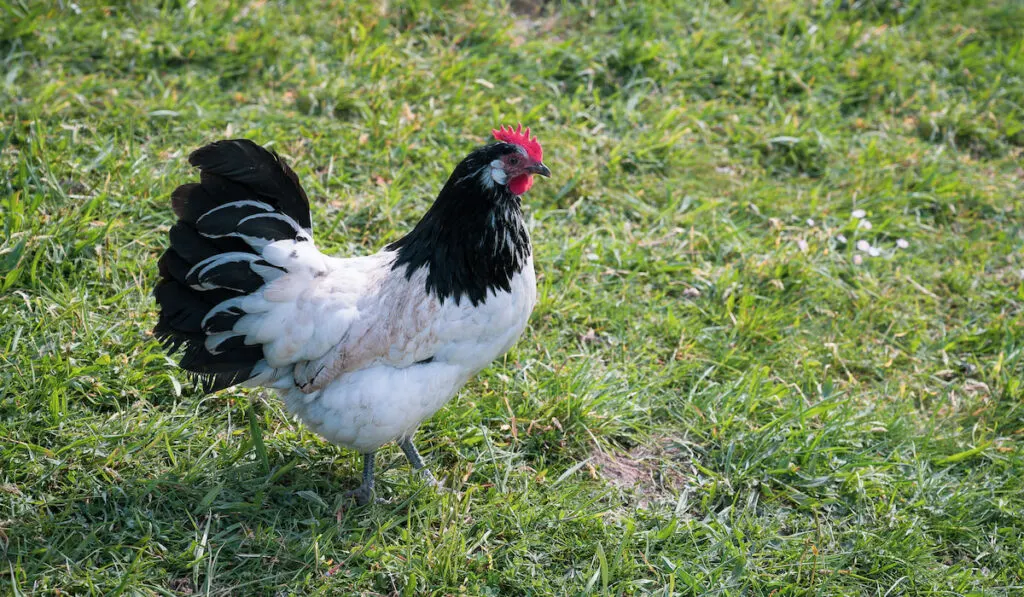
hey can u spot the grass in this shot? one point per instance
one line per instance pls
(780, 338)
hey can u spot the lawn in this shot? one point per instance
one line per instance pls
(779, 344)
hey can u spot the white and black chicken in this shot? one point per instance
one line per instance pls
(362, 349)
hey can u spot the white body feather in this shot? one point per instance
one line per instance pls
(344, 340)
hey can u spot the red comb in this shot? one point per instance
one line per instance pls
(518, 136)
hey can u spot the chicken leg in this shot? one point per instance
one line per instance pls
(364, 493)
(417, 461)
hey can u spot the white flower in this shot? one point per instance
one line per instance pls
(874, 251)
(865, 224)
(810, 222)
(859, 213)
(841, 238)
(863, 245)
(902, 243)
(857, 260)
(802, 244)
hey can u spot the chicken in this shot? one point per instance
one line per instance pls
(361, 349)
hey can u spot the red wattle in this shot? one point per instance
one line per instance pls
(520, 184)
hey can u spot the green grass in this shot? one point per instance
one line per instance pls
(717, 394)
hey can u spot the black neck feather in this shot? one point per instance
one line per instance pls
(472, 240)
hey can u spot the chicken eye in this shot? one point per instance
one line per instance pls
(513, 161)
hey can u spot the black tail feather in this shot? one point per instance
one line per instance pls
(173, 267)
(237, 171)
(182, 312)
(262, 171)
(225, 219)
(185, 199)
(223, 320)
(239, 273)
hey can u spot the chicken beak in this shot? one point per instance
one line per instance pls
(540, 168)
